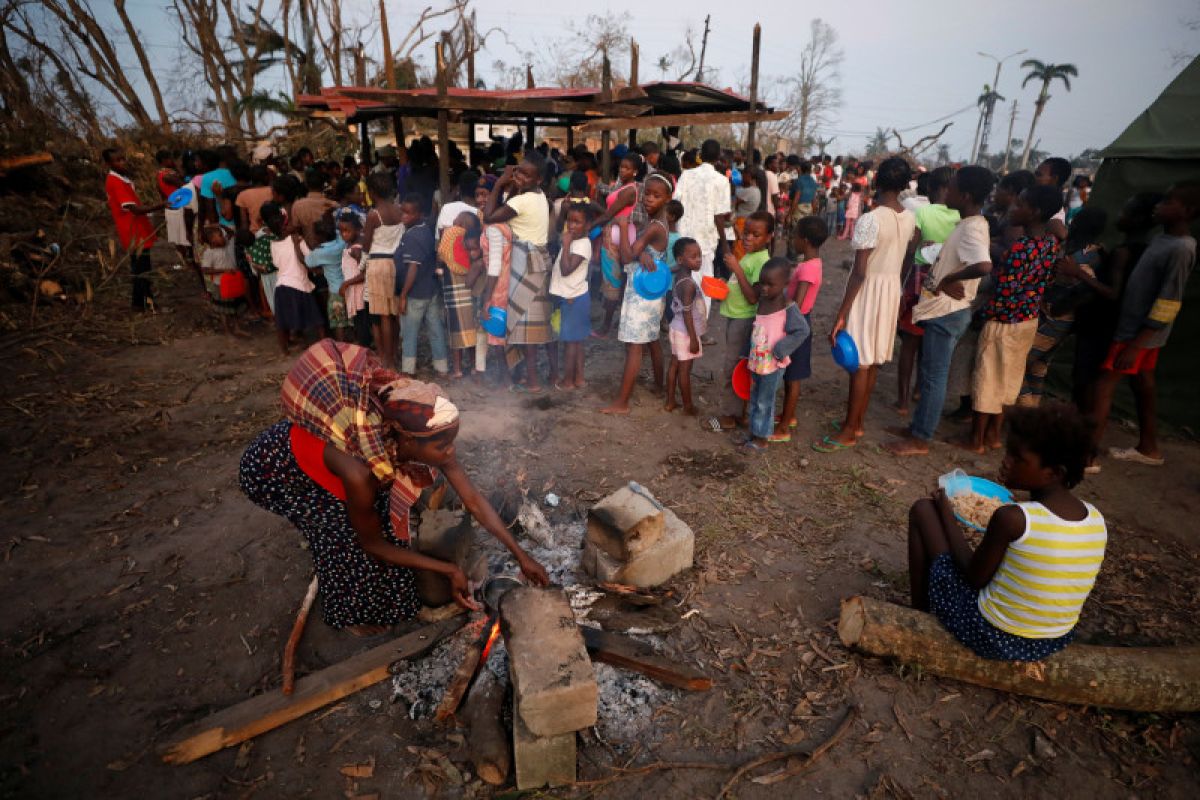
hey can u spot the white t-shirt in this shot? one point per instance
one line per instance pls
(772, 190)
(575, 284)
(532, 222)
(967, 244)
(293, 272)
(449, 213)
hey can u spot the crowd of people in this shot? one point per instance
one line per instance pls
(979, 278)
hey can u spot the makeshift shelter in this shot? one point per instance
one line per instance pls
(1161, 147)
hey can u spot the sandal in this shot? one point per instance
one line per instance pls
(752, 446)
(828, 445)
(1135, 455)
(779, 437)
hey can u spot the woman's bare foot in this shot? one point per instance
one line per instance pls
(907, 446)
(970, 446)
(995, 444)
(901, 410)
(579, 384)
(615, 409)
(670, 406)
(367, 631)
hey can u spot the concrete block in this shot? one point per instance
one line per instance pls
(448, 536)
(671, 554)
(542, 760)
(624, 523)
(554, 685)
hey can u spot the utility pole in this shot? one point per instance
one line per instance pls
(1012, 119)
(750, 129)
(993, 95)
(703, 50)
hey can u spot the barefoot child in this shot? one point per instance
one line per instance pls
(353, 287)
(808, 235)
(327, 257)
(688, 323)
(217, 262)
(1019, 594)
(1012, 315)
(871, 303)
(1153, 297)
(779, 328)
(380, 240)
(296, 309)
(569, 291)
(738, 309)
(641, 318)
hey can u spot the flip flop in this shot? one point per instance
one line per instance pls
(1134, 455)
(779, 437)
(794, 423)
(827, 445)
(753, 446)
(713, 425)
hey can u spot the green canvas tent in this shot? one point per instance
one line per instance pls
(1161, 147)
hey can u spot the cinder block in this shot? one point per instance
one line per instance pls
(625, 523)
(554, 685)
(671, 554)
(542, 760)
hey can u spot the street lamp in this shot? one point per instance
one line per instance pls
(991, 103)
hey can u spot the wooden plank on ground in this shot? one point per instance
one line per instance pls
(271, 709)
(622, 651)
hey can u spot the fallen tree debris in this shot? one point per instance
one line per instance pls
(289, 650)
(1162, 679)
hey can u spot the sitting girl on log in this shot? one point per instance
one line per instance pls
(1018, 596)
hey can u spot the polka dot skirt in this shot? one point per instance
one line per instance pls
(956, 606)
(355, 588)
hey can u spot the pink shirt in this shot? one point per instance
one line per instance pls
(293, 272)
(768, 329)
(806, 272)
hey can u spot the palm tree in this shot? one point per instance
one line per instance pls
(1046, 73)
(981, 102)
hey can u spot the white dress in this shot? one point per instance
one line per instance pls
(872, 319)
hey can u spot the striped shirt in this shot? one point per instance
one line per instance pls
(1046, 575)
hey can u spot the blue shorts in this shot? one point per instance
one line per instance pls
(576, 318)
(800, 367)
(956, 606)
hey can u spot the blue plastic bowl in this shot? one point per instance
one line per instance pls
(845, 352)
(179, 198)
(609, 269)
(594, 233)
(980, 486)
(652, 285)
(496, 323)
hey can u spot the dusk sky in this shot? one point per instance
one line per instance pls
(906, 64)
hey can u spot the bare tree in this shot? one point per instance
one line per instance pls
(682, 60)
(95, 57)
(814, 95)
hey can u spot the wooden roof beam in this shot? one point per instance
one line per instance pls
(678, 120)
(497, 105)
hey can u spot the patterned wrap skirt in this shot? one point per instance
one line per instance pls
(355, 588)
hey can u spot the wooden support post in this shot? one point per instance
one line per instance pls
(753, 93)
(469, 44)
(268, 711)
(606, 96)
(443, 125)
(1156, 679)
(570, 137)
(529, 84)
(633, 83)
(389, 63)
(364, 137)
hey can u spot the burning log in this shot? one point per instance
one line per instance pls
(476, 653)
(487, 739)
(621, 651)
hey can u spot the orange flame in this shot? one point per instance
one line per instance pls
(487, 648)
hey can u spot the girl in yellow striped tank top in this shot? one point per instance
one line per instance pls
(1019, 595)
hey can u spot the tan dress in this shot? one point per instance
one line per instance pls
(872, 319)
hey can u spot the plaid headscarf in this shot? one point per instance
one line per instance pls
(340, 392)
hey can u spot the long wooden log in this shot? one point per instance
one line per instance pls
(621, 651)
(268, 711)
(487, 740)
(1164, 679)
(456, 689)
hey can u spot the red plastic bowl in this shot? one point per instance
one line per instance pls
(715, 288)
(742, 380)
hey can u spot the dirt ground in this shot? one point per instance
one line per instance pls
(142, 591)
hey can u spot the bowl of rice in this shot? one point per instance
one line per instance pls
(974, 499)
